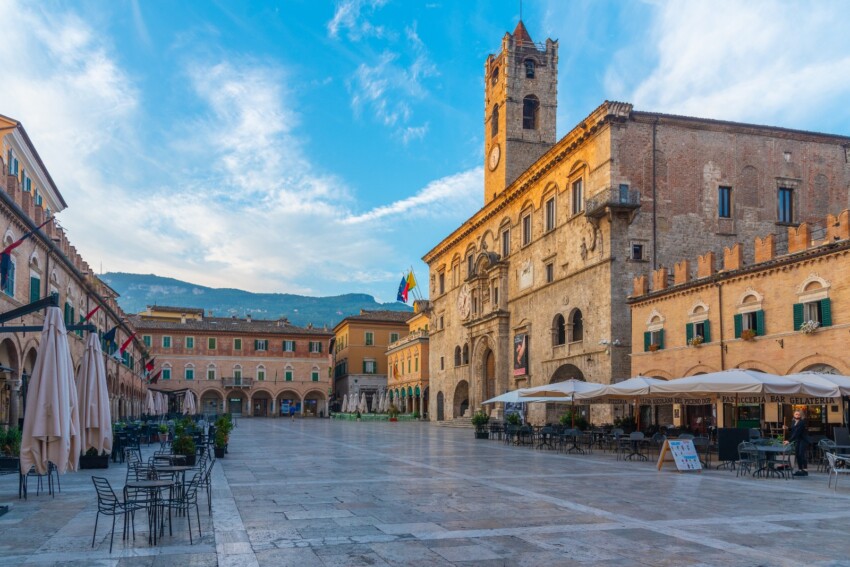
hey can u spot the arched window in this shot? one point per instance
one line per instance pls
(211, 372)
(457, 356)
(494, 121)
(494, 76)
(466, 354)
(577, 324)
(530, 111)
(529, 68)
(559, 330)
(261, 373)
(189, 372)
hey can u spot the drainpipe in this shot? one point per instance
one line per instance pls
(654, 200)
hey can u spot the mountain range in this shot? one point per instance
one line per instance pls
(137, 291)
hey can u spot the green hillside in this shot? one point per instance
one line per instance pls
(137, 291)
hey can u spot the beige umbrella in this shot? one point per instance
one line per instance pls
(345, 403)
(189, 406)
(575, 389)
(52, 421)
(150, 404)
(93, 397)
(364, 404)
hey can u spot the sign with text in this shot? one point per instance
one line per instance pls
(683, 452)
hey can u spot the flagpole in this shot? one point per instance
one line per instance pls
(416, 294)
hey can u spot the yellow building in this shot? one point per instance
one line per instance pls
(788, 312)
(360, 352)
(408, 364)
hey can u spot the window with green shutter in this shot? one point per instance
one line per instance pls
(166, 341)
(739, 325)
(760, 323)
(35, 288)
(370, 338)
(166, 374)
(689, 333)
(825, 312)
(211, 343)
(288, 375)
(798, 316)
(147, 340)
(237, 344)
(315, 376)
(190, 342)
(190, 374)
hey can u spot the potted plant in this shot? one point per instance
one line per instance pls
(220, 443)
(696, 341)
(10, 450)
(480, 420)
(654, 347)
(628, 424)
(513, 419)
(91, 460)
(224, 424)
(163, 432)
(748, 334)
(185, 445)
(576, 421)
(809, 327)
(393, 411)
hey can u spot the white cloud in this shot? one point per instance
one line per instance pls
(349, 16)
(756, 61)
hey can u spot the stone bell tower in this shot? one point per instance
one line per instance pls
(520, 104)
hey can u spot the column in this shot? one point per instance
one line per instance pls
(14, 401)
(421, 408)
(271, 408)
(301, 413)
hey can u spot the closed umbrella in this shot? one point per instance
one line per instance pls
(363, 406)
(190, 408)
(150, 404)
(52, 422)
(93, 398)
(344, 406)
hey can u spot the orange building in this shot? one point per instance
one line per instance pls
(408, 364)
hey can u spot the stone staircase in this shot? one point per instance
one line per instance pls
(457, 423)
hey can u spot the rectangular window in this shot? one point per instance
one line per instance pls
(370, 338)
(9, 288)
(314, 376)
(550, 214)
(495, 297)
(261, 345)
(211, 343)
(237, 344)
(442, 283)
(637, 252)
(470, 265)
(190, 342)
(724, 202)
(578, 197)
(441, 322)
(506, 243)
(288, 346)
(35, 288)
(166, 374)
(166, 342)
(370, 367)
(147, 340)
(813, 311)
(287, 375)
(550, 272)
(211, 374)
(785, 213)
(393, 337)
(315, 346)
(261, 375)
(442, 363)
(526, 230)
(749, 322)
(189, 374)
(416, 364)
(237, 375)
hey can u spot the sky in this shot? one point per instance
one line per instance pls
(323, 147)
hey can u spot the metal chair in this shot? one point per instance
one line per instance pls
(824, 446)
(702, 444)
(835, 469)
(182, 501)
(108, 504)
(748, 458)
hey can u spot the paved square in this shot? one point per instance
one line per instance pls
(322, 492)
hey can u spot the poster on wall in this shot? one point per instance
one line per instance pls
(520, 354)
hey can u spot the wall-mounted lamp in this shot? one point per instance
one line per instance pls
(781, 343)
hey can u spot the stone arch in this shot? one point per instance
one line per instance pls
(288, 396)
(261, 402)
(465, 353)
(566, 372)
(460, 399)
(484, 385)
(551, 189)
(813, 359)
(235, 403)
(315, 403)
(698, 308)
(658, 373)
(808, 285)
(759, 365)
(699, 369)
(211, 400)
(750, 296)
(559, 330)
(822, 369)
(655, 318)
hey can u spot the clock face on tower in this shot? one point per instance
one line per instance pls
(493, 159)
(463, 301)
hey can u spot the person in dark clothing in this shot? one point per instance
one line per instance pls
(800, 435)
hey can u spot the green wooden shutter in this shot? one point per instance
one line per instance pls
(320, 346)
(760, 323)
(647, 339)
(364, 367)
(707, 326)
(661, 339)
(825, 312)
(35, 289)
(798, 316)
(689, 332)
(256, 344)
(739, 325)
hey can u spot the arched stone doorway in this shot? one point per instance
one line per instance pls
(261, 403)
(460, 400)
(288, 399)
(315, 404)
(210, 402)
(441, 412)
(236, 403)
(555, 410)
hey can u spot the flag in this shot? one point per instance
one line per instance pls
(402, 290)
(411, 281)
(119, 354)
(90, 313)
(109, 336)
(155, 377)
(149, 365)
(6, 254)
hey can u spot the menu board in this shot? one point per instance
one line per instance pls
(683, 452)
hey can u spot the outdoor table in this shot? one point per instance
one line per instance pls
(178, 470)
(172, 459)
(571, 436)
(635, 446)
(770, 452)
(841, 449)
(544, 437)
(153, 488)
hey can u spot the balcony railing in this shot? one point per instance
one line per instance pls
(243, 382)
(611, 200)
(420, 334)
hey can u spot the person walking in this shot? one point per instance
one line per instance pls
(292, 413)
(799, 435)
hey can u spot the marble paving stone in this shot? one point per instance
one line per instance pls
(465, 553)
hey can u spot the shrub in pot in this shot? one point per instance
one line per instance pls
(393, 411)
(185, 445)
(220, 443)
(91, 460)
(480, 421)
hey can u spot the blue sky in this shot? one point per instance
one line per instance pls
(322, 147)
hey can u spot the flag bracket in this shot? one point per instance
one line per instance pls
(38, 328)
(51, 300)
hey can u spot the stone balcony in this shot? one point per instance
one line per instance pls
(612, 201)
(414, 336)
(242, 383)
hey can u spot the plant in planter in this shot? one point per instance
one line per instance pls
(576, 421)
(513, 419)
(809, 327)
(185, 445)
(654, 347)
(480, 420)
(748, 334)
(225, 425)
(10, 442)
(91, 460)
(628, 423)
(696, 341)
(163, 432)
(221, 440)
(393, 411)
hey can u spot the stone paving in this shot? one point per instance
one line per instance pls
(328, 493)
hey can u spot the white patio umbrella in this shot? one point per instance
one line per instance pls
(738, 381)
(575, 389)
(189, 406)
(842, 382)
(363, 407)
(344, 405)
(52, 421)
(93, 397)
(385, 402)
(514, 396)
(150, 404)
(633, 387)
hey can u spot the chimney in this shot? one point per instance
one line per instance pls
(659, 279)
(640, 286)
(838, 228)
(799, 238)
(182, 318)
(765, 249)
(248, 317)
(733, 258)
(681, 272)
(705, 265)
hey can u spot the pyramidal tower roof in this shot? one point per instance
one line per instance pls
(521, 34)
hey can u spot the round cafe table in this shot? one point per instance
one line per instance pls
(153, 488)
